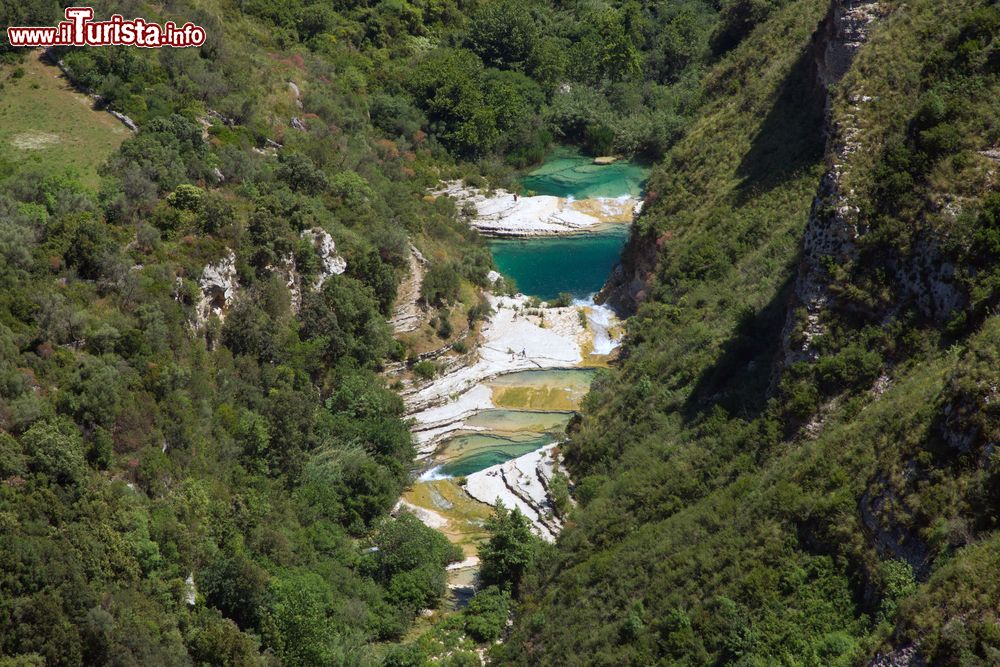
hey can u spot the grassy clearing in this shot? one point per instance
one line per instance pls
(44, 122)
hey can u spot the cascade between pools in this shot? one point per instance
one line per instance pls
(492, 430)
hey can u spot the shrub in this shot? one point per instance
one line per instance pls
(425, 369)
(440, 285)
(487, 613)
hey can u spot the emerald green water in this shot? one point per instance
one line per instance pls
(533, 408)
(567, 378)
(568, 174)
(579, 265)
(489, 450)
(546, 267)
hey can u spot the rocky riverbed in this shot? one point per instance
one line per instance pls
(488, 429)
(504, 214)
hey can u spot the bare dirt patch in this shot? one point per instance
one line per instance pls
(33, 141)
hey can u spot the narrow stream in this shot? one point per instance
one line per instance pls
(530, 409)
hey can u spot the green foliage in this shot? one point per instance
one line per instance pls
(735, 509)
(607, 49)
(448, 87)
(738, 19)
(345, 318)
(55, 449)
(487, 613)
(295, 621)
(140, 446)
(378, 275)
(440, 285)
(898, 582)
(425, 369)
(503, 34)
(510, 550)
(263, 454)
(559, 492)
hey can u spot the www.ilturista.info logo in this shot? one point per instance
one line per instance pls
(79, 30)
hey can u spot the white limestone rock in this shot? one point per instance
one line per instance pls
(332, 264)
(219, 284)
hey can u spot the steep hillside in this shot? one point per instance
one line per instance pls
(794, 463)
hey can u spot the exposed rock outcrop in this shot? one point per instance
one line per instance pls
(842, 34)
(503, 213)
(882, 509)
(835, 222)
(289, 274)
(907, 656)
(219, 284)
(626, 287)
(331, 264)
(522, 483)
(833, 228)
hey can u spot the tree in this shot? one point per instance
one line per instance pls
(372, 271)
(295, 621)
(487, 613)
(511, 549)
(301, 173)
(347, 486)
(440, 285)
(55, 448)
(250, 330)
(503, 34)
(607, 50)
(516, 99)
(83, 241)
(235, 585)
(447, 85)
(405, 544)
(215, 213)
(345, 315)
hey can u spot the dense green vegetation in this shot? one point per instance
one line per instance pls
(177, 491)
(731, 509)
(738, 511)
(151, 454)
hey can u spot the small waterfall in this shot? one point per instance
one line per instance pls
(599, 319)
(432, 475)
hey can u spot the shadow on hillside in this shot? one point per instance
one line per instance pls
(740, 379)
(791, 137)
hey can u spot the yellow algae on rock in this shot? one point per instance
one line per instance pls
(445, 498)
(541, 390)
(607, 211)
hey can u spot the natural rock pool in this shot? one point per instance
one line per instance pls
(566, 173)
(548, 266)
(506, 445)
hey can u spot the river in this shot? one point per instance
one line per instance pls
(492, 430)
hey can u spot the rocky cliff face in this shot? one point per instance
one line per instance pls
(834, 227)
(218, 283)
(626, 287)
(835, 223)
